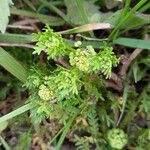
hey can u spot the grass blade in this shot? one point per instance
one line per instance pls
(53, 21)
(66, 129)
(5, 144)
(16, 112)
(15, 38)
(133, 43)
(125, 18)
(86, 28)
(12, 65)
(53, 8)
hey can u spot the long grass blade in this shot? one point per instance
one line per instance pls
(16, 112)
(15, 38)
(53, 21)
(133, 43)
(65, 131)
(12, 65)
(5, 144)
(87, 27)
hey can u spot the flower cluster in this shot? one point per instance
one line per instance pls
(82, 58)
(87, 60)
(117, 138)
(45, 93)
(51, 43)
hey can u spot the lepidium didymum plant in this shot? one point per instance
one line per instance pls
(59, 92)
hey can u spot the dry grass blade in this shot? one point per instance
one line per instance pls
(87, 27)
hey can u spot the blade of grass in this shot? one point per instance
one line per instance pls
(53, 21)
(133, 43)
(16, 112)
(23, 39)
(83, 13)
(55, 137)
(125, 97)
(65, 131)
(51, 6)
(145, 7)
(86, 28)
(125, 18)
(29, 3)
(15, 38)
(12, 65)
(123, 13)
(5, 144)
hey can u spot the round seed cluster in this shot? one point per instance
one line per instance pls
(45, 93)
(117, 138)
(82, 59)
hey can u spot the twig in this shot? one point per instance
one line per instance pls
(16, 45)
(21, 27)
(110, 84)
(26, 21)
(61, 61)
(91, 39)
(125, 97)
(126, 65)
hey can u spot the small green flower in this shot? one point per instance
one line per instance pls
(117, 138)
(82, 59)
(45, 93)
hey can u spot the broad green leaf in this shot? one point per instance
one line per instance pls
(136, 21)
(74, 14)
(12, 65)
(4, 14)
(16, 112)
(133, 43)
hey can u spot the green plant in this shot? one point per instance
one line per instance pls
(117, 138)
(59, 92)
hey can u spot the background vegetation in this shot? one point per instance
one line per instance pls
(74, 74)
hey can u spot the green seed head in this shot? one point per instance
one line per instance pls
(45, 93)
(117, 138)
